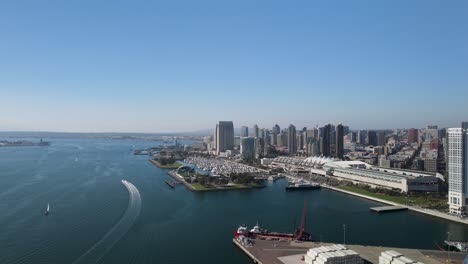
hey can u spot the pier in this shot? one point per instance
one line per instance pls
(390, 208)
(277, 252)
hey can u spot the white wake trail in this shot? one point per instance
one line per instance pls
(98, 250)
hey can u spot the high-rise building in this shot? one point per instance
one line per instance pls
(345, 130)
(256, 132)
(353, 137)
(284, 138)
(381, 138)
(313, 147)
(372, 138)
(216, 137)
(261, 133)
(274, 139)
(339, 141)
(361, 137)
(244, 131)
(225, 136)
(324, 133)
(247, 148)
(458, 169)
(301, 139)
(259, 147)
(311, 133)
(292, 142)
(279, 140)
(412, 136)
(276, 129)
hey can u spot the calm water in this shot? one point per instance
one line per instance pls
(89, 218)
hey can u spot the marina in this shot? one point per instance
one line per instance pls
(223, 167)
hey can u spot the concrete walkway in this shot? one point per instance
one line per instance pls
(412, 208)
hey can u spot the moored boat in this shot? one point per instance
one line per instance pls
(302, 185)
(170, 183)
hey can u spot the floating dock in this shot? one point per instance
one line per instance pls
(281, 252)
(390, 208)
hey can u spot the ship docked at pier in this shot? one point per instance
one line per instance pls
(301, 185)
(300, 234)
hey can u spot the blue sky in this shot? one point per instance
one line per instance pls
(149, 66)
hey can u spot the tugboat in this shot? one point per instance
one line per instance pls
(302, 185)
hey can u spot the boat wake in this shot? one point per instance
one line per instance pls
(98, 250)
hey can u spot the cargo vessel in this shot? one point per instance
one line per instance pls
(23, 143)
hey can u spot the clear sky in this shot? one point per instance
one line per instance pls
(149, 66)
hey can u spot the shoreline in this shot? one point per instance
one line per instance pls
(179, 179)
(428, 212)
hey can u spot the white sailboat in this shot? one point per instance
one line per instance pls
(47, 210)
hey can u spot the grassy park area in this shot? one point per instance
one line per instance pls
(423, 200)
(172, 165)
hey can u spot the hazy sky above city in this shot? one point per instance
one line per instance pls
(149, 66)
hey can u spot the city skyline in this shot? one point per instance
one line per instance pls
(153, 67)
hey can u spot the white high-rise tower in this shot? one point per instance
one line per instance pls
(458, 168)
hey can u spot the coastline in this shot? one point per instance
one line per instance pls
(429, 212)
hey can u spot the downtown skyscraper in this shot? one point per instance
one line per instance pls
(244, 131)
(224, 136)
(324, 136)
(340, 141)
(292, 140)
(256, 131)
(458, 169)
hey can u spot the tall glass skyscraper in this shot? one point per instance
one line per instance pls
(292, 140)
(225, 136)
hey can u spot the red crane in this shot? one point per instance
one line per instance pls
(300, 232)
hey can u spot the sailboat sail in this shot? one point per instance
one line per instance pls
(47, 210)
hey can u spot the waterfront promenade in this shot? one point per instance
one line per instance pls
(417, 209)
(412, 208)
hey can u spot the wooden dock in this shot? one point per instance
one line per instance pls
(390, 208)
